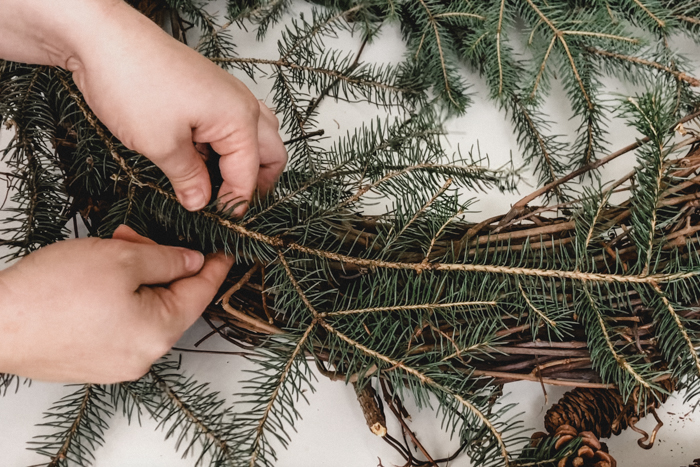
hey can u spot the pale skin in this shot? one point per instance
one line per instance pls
(103, 310)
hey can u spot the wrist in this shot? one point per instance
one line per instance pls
(51, 32)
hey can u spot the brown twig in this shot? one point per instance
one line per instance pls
(520, 205)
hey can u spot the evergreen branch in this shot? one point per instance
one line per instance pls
(332, 73)
(184, 408)
(426, 380)
(537, 311)
(36, 74)
(688, 19)
(297, 287)
(498, 46)
(681, 329)
(544, 18)
(646, 10)
(256, 444)
(433, 24)
(596, 217)
(459, 14)
(652, 222)
(541, 144)
(651, 119)
(298, 117)
(423, 208)
(318, 319)
(600, 35)
(458, 353)
(260, 429)
(427, 306)
(82, 419)
(560, 36)
(190, 411)
(99, 130)
(62, 452)
(40, 195)
(576, 73)
(314, 181)
(313, 105)
(598, 321)
(263, 7)
(543, 65)
(420, 46)
(318, 28)
(403, 171)
(681, 76)
(439, 232)
(337, 172)
(421, 267)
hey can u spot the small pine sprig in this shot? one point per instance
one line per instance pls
(189, 411)
(79, 420)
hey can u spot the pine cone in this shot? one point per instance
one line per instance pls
(591, 452)
(600, 411)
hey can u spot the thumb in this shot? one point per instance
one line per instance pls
(152, 264)
(185, 299)
(189, 176)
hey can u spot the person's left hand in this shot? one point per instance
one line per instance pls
(101, 310)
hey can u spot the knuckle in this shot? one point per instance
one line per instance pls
(186, 170)
(251, 106)
(125, 257)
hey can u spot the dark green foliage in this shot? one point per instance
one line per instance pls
(186, 410)
(80, 420)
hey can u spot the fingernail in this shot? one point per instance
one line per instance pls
(194, 260)
(194, 199)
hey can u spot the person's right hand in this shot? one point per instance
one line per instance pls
(101, 310)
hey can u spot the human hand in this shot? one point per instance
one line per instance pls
(159, 97)
(101, 310)
(155, 94)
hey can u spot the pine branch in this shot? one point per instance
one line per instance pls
(613, 366)
(189, 410)
(681, 76)
(340, 76)
(258, 442)
(81, 419)
(483, 418)
(197, 415)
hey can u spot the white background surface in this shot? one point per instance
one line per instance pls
(333, 430)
